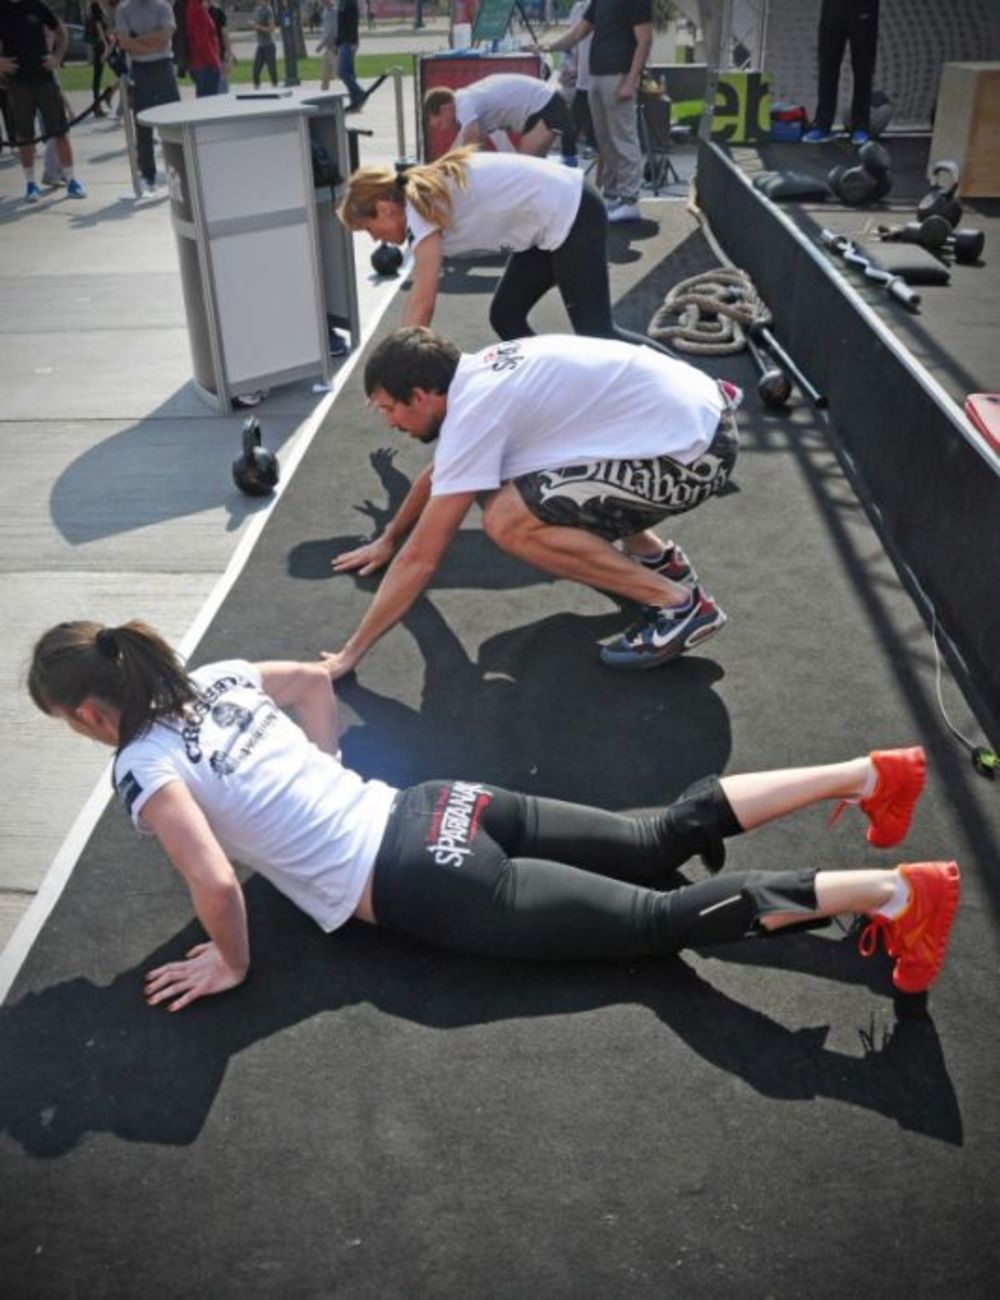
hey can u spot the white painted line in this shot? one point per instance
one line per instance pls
(64, 863)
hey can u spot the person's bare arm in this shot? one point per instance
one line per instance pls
(152, 43)
(643, 43)
(305, 689)
(405, 579)
(566, 42)
(471, 133)
(374, 555)
(183, 830)
(427, 258)
(55, 56)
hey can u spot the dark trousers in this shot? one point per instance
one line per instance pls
(483, 870)
(152, 84)
(578, 268)
(265, 57)
(840, 22)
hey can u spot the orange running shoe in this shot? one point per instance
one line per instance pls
(918, 937)
(889, 808)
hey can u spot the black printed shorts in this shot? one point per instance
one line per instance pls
(615, 498)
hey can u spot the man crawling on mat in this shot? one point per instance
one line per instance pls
(576, 444)
(211, 765)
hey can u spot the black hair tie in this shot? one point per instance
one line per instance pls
(107, 644)
(401, 173)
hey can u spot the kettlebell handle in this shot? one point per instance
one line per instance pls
(251, 438)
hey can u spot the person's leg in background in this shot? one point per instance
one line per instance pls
(600, 89)
(623, 130)
(832, 40)
(863, 36)
(345, 71)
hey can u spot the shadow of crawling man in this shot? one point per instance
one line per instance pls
(83, 1059)
(537, 712)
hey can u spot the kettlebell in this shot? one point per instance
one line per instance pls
(387, 259)
(941, 200)
(256, 471)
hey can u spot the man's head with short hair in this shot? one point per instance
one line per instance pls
(439, 109)
(407, 380)
(411, 357)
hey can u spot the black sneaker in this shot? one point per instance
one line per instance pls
(659, 634)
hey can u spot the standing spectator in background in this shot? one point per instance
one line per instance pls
(95, 32)
(266, 55)
(574, 76)
(347, 45)
(28, 70)
(623, 34)
(203, 51)
(840, 22)
(327, 46)
(218, 16)
(145, 31)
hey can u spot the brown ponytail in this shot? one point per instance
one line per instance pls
(131, 668)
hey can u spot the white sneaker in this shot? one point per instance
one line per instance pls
(148, 187)
(625, 212)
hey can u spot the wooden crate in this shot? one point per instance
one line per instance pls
(967, 126)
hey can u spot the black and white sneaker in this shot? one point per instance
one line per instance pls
(659, 634)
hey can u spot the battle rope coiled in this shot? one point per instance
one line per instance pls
(713, 313)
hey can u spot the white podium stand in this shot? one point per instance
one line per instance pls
(262, 262)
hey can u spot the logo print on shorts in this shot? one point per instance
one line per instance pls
(455, 822)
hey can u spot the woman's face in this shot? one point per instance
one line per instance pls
(388, 224)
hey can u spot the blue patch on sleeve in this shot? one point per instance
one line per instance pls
(129, 790)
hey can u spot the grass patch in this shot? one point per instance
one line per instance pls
(77, 76)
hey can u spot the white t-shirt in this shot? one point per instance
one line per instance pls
(558, 399)
(273, 799)
(511, 202)
(501, 103)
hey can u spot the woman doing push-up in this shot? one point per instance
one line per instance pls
(209, 762)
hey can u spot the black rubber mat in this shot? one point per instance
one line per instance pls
(368, 1117)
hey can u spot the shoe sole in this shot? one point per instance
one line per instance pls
(672, 651)
(949, 906)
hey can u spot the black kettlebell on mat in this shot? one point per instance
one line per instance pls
(256, 471)
(387, 259)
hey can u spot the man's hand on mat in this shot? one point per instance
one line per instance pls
(368, 558)
(203, 973)
(339, 664)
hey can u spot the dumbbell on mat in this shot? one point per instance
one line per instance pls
(936, 234)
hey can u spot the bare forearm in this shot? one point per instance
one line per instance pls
(411, 509)
(222, 911)
(644, 43)
(405, 580)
